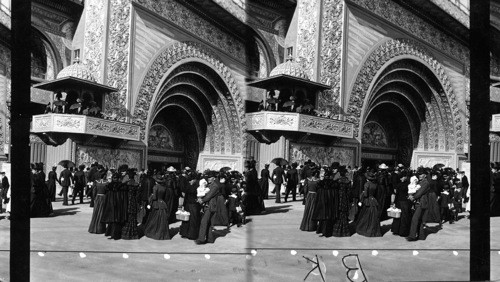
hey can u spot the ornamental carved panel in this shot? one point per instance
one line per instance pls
(112, 129)
(110, 158)
(325, 126)
(163, 139)
(94, 36)
(321, 155)
(307, 33)
(374, 135)
(67, 123)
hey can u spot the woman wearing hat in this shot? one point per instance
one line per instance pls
(99, 194)
(433, 212)
(161, 206)
(324, 211)
(341, 196)
(115, 207)
(368, 223)
(190, 229)
(130, 231)
(401, 226)
(41, 205)
(253, 202)
(308, 223)
(383, 195)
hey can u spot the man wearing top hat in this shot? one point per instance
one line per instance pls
(421, 205)
(65, 179)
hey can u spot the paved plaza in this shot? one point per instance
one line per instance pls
(270, 247)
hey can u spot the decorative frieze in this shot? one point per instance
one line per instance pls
(331, 51)
(94, 36)
(280, 121)
(84, 125)
(117, 58)
(307, 33)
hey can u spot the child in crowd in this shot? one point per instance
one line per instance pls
(413, 186)
(234, 201)
(445, 204)
(457, 199)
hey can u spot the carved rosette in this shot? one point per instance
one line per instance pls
(307, 34)
(174, 54)
(192, 22)
(331, 51)
(385, 52)
(117, 62)
(41, 123)
(94, 36)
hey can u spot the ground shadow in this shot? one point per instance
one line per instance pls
(220, 233)
(385, 228)
(174, 231)
(65, 211)
(431, 230)
(275, 209)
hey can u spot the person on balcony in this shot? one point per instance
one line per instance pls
(59, 104)
(290, 105)
(308, 108)
(77, 108)
(272, 101)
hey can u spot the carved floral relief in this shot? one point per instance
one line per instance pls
(110, 158)
(321, 155)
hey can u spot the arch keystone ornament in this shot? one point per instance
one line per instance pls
(388, 53)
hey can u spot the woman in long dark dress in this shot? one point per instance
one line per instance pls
(341, 223)
(190, 229)
(382, 193)
(130, 230)
(368, 223)
(99, 195)
(308, 224)
(401, 226)
(253, 199)
(433, 213)
(324, 210)
(51, 183)
(161, 206)
(115, 207)
(41, 205)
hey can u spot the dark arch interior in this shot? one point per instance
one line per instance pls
(185, 107)
(398, 103)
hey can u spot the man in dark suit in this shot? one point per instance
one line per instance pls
(80, 182)
(292, 179)
(206, 234)
(66, 179)
(277, 178)
(421, 205)
(465, 185)
(93, 176)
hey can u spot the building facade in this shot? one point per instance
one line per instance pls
(396, 71)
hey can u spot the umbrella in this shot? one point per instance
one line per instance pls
(438, 166)
(67, 163)
(279, 161)
(226, 169)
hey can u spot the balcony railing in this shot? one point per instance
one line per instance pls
(283, 121)
(66, 123)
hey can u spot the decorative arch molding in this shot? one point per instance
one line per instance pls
(176, 54)
(383, 56)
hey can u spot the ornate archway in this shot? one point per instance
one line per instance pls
(403, 74)
(187, 80)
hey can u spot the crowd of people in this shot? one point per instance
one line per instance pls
(337, 198)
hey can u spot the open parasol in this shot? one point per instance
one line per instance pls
(279, 161)
(67, 163)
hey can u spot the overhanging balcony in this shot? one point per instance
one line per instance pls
(54, 129)
(268, 127)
